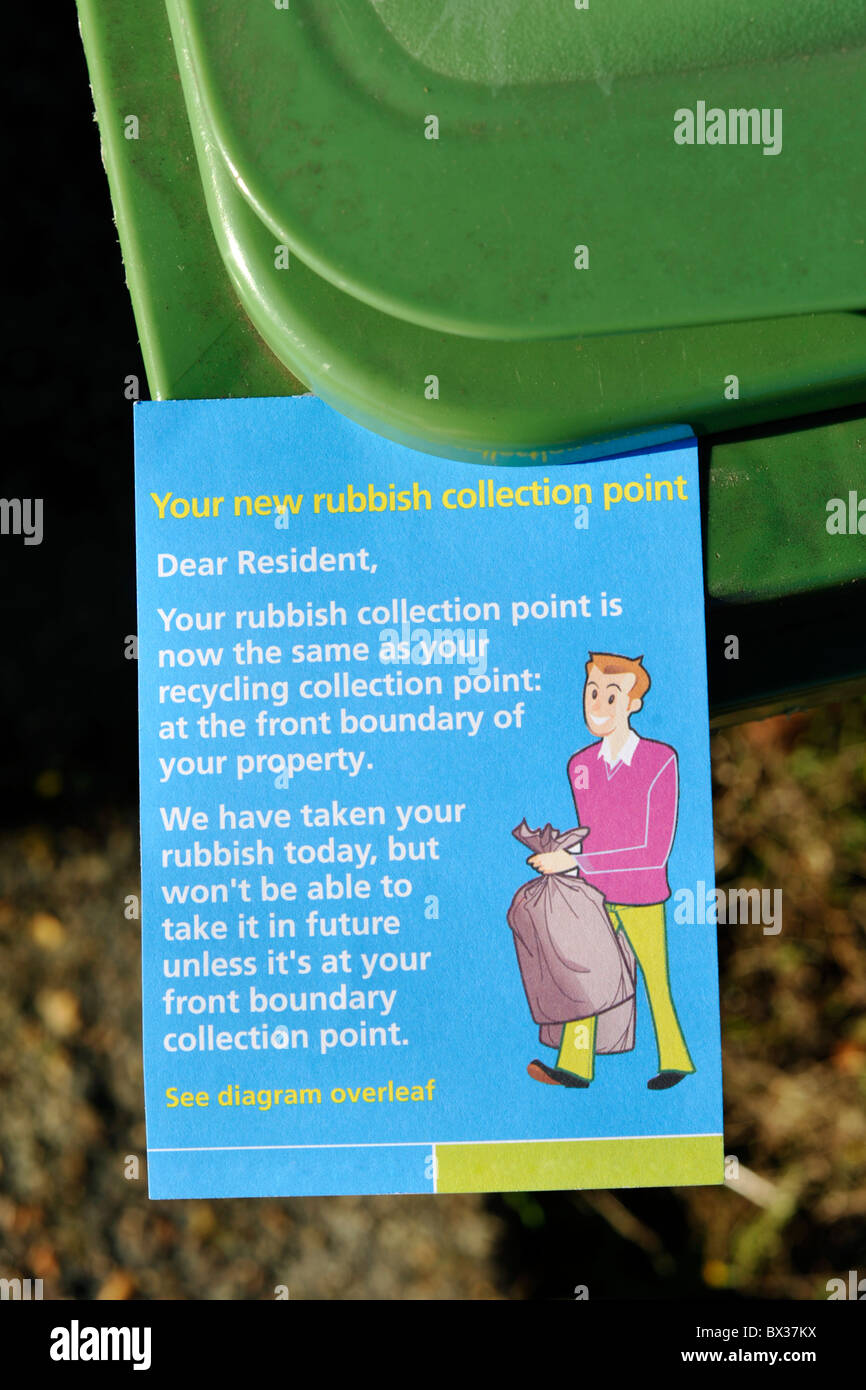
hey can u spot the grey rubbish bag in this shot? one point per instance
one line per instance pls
(573, 962)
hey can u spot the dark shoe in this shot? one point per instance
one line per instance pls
(554, 1076)
(665, 1080)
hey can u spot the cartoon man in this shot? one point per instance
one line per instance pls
(625, 790)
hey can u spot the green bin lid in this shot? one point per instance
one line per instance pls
(556, 130)
(503, 401)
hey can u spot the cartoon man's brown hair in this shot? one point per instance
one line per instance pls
(612, 665)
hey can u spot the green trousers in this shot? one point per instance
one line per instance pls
(645, 929)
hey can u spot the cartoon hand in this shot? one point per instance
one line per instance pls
(557, 861)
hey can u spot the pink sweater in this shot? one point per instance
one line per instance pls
(631, 812)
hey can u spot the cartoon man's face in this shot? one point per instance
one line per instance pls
(606, 702)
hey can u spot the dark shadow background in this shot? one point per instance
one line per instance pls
(790, 807)
(67, 697)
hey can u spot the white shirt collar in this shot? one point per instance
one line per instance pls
(626, 753)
